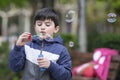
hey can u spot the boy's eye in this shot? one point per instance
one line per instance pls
(39, 24)
(47, 24)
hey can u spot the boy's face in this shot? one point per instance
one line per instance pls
(46, 27)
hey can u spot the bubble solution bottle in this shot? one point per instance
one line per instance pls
(41, 56)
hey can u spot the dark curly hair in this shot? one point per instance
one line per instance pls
(47, 13)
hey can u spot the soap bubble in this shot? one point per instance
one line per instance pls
(69, 17)
(112, 17)
(71, 44)
(43, 36)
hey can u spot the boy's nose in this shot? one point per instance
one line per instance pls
(43, 27)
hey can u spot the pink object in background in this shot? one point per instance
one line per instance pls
(102, 62)
(99, 66)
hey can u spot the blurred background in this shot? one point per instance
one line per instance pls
(85, 25)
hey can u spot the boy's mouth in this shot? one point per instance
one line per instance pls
(44, 35)
(43, 32)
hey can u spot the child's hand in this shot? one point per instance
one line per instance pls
(23, 39)
(43, 62)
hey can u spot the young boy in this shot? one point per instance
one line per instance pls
(56, 59)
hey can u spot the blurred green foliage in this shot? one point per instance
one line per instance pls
(70, 37)
(67, 1)
(4, 51)
(3, 60)
(5, 4)
(109, 40)
(5, 72)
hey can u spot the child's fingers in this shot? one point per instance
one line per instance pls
(43, 62)
(23, 38)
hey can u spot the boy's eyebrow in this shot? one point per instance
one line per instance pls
(48, 21)
(38, 21)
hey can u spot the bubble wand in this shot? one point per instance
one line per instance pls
(41, 55)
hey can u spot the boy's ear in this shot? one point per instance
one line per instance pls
(56, 29)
